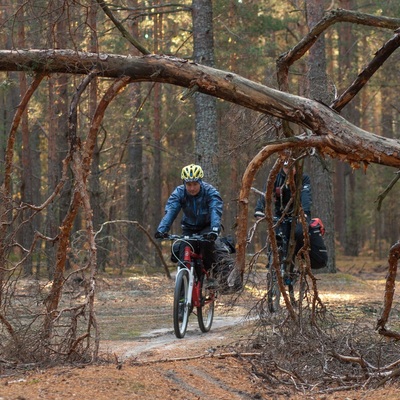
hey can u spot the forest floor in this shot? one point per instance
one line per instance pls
(141, 358)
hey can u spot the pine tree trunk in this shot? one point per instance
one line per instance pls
(205, 106)
(322, 180)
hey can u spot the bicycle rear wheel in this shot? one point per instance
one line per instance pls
(296, 287)
(273, 292)
(181, 309)
(205, 313)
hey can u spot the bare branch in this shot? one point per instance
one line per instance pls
(382, 196)
(121, 28)
(331, 18)
(124, 221)
(380, 57)
(350, 359)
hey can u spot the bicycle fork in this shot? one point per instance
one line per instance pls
(194, 291)
(189, 267)
(181, 270)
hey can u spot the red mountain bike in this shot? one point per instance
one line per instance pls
(195, 290)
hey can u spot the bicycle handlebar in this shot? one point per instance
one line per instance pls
(286, 218)
(200, 238)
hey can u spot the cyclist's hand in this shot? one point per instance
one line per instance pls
(212, 236)
(161, 235)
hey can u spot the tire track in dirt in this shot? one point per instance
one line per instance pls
(163, 340)
(210, 379)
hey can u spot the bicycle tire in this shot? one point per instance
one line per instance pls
(273, 291)
(181, 301)
(296, 288)
(205, 313)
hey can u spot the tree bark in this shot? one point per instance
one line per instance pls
(26, 188)
(321, 173)
(135, 183)
(95, 189)
(205, 106)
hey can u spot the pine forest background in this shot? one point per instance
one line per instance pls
(148, 133)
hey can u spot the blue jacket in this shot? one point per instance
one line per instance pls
(282, 195)
(200, 211)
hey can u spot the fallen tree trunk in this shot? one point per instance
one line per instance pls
(343, 140)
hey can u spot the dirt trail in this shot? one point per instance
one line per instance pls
(136, 319)
(164, 340)
(156, 336)
(135, 316)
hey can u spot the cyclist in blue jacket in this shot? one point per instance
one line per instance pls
(200, 202)
(282, 196)
(202, 208)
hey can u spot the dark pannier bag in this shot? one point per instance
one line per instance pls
(230, 243)
(318, 252)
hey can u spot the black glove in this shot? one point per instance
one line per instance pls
(212, 236)
(160, 235)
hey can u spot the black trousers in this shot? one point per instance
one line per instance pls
(214, 253)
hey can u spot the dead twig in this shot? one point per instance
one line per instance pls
(292, 374)
(340, 388)
(389, 334)
(393, 374)
(146, 233)
(351, 359)
(196, 357)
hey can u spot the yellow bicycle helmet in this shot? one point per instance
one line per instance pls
(192, 173)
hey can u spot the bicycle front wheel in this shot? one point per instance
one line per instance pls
(205, 313)
(273, 292)
(181, 300)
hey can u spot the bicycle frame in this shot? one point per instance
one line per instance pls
(190, 292)
(188, 264)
